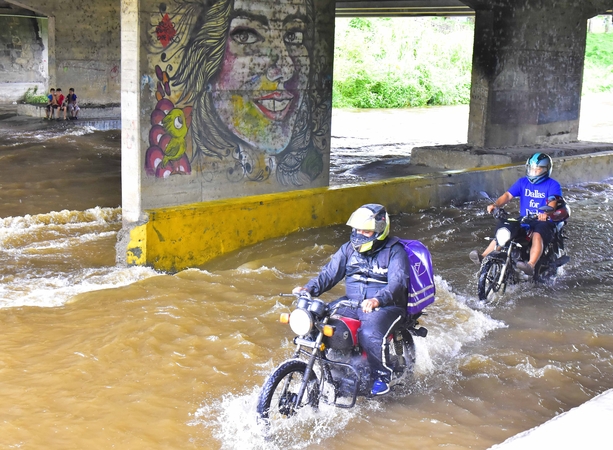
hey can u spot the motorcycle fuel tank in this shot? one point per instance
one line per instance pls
(345, 333)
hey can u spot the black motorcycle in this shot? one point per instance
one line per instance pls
(329, 364)
(513, 239)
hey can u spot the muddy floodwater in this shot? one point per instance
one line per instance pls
(93, 355)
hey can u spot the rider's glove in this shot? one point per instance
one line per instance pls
(499, 213)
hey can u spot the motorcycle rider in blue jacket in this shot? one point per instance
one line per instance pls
(534, 190)
(380, 286)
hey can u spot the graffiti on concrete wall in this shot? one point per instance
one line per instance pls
(234, 85)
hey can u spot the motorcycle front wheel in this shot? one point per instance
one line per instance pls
(279, 396)
(488, 277)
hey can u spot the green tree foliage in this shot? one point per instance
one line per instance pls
(400, 62)
(413, 62)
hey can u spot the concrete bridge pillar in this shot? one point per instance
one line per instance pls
(52, 64)
(221, 99)
(527, 71)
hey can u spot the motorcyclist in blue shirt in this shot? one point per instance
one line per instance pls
(534, 190)
(379, 286)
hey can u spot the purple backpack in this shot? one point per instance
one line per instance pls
(421, 276)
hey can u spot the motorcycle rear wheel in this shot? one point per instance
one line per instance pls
(277, 400)
(488, 276)
(402, 354)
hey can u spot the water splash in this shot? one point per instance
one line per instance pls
(456, 325)
(233, 421)
(48, 259)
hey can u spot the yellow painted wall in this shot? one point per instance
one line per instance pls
(188, 236)
(191, 235)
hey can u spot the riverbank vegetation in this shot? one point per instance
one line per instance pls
(402, 62)
(33, 97)
(597, 73)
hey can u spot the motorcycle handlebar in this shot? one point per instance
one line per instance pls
(500, 213)
(332, 305)
(348, 303)
(298, 295)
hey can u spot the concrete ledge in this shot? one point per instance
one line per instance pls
(86, 112)
(191, 235)
(456, 157)
(464, 156)
(586, 426)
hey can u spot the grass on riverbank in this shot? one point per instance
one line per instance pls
(400, 62)
(597, 73)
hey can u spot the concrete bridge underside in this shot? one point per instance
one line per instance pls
(223, 100)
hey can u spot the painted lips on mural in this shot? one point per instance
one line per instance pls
(275, 105)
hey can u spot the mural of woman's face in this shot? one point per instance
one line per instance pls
(264, 74)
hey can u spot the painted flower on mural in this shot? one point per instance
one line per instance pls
(165, 30)
(163, 84)
(166, 154)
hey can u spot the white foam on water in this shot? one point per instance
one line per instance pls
(256, 268)
(456, 325)
(234, 422)
(10, 226)
(42, 247)
(55, 238)
(53, 291)
(79, 131)
(59, 132)
(536, 372)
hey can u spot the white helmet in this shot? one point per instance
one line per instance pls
(369, 217)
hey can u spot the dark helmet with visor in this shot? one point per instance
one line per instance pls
(370, 217)
(538, 168)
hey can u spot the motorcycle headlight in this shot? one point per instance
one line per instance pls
(301, 321)
(502, 236)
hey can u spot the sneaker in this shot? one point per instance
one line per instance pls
(379, 387)
(526, 268)
(475, 257)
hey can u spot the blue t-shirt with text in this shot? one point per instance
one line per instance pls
(533, 196)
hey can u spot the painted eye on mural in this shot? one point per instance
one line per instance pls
(178, 123)
(246, 35)
(293, 37)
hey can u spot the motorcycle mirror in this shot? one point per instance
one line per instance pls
(485, 194)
